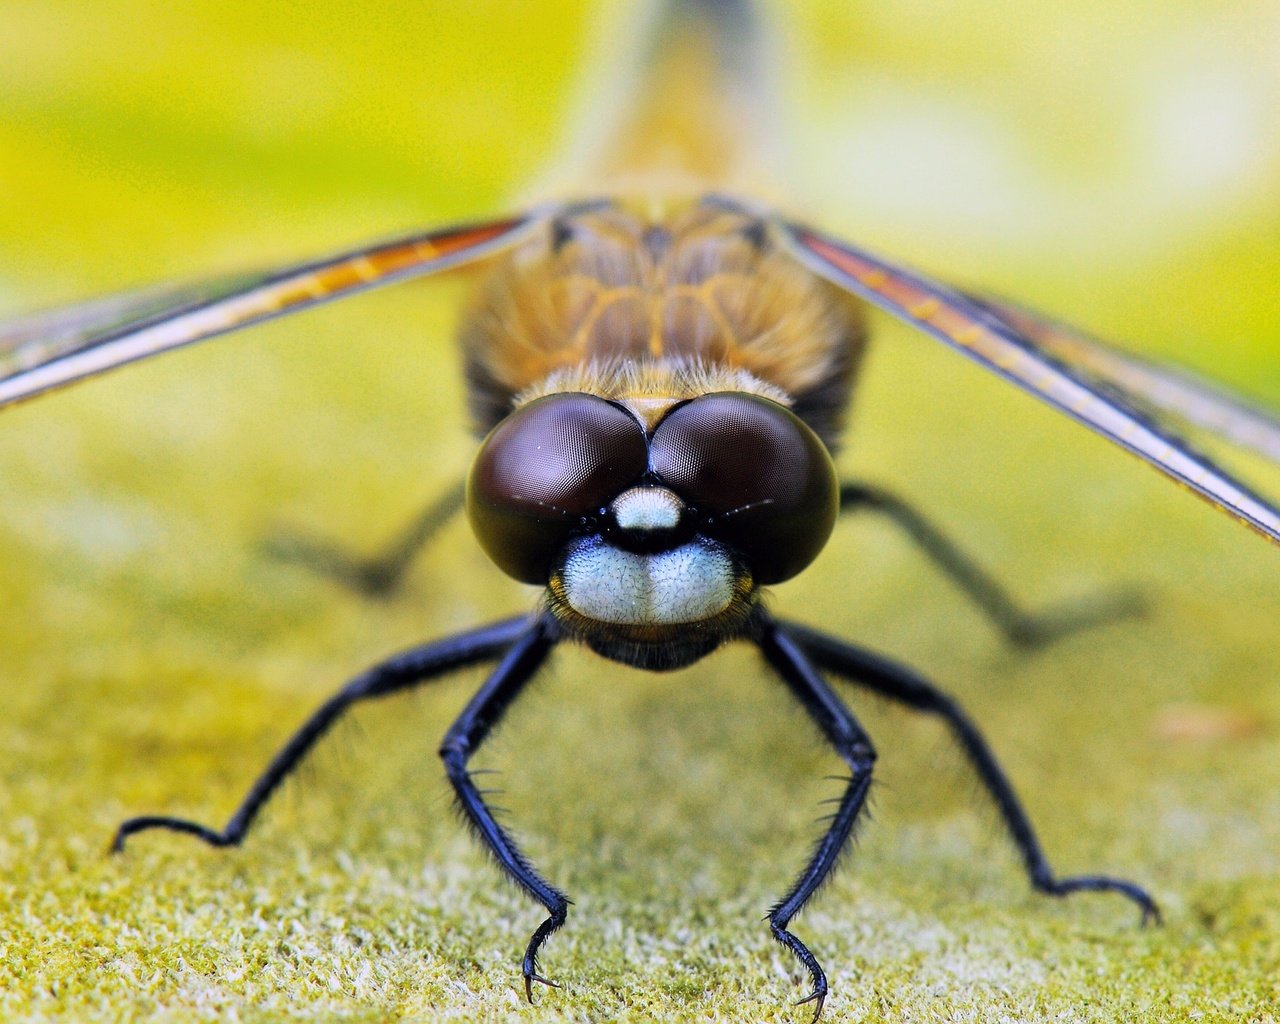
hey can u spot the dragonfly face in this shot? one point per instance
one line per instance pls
(652, 542)
(651, 374)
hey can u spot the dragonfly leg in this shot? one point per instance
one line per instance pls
(378, 575)
(901, 684)
(854, 747)
(463, 739)
(397, 673)
(1020, 627)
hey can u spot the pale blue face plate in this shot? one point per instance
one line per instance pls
(689, 583)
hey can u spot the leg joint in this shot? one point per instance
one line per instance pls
(860, 756)
(455, 757)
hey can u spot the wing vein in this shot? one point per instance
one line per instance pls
(980, 332)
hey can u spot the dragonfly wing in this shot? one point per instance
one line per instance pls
(1173, 390)
(976, 330)
(48, 350)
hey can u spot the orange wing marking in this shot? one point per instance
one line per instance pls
(993, 342)
(98, 336)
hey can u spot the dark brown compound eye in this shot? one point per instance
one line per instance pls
(760, 478)
(541, 470)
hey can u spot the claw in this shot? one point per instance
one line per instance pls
(530, 978)
(817, 996)
(1150, 911)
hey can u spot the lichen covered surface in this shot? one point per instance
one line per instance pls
(152, 658)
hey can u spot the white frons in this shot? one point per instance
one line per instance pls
(647, 508)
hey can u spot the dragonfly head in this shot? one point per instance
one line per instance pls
(652, 542)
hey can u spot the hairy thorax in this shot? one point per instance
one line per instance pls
(649, 307)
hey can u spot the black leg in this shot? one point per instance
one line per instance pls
(379, 575)
(463, 739)
(854, 747)
(901, 684)
(397, 673)
(1021, 628)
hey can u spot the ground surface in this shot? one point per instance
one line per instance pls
(152, 658)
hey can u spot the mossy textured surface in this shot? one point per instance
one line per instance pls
(152, 659)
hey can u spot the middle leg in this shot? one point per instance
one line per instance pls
(901, 684)
(391, 676)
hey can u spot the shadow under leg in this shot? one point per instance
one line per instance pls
(854, 747)
(1029, 630)
(397, 673)
(901, 684)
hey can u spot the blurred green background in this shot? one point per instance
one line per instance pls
(1117, 164)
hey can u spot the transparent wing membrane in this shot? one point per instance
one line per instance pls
(1116, 394)
(48, 350)
(1092, 384)
(1173, 390)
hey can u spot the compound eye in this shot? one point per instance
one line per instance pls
(762, 480)
(541, 470)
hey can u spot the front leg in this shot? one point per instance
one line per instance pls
(901, 684)
(854, 747)
(462, 740)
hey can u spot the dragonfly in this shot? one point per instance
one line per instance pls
(658, 375)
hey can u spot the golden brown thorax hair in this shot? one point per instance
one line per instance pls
(653, 306)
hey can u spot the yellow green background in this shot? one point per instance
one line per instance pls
(1115, 163)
